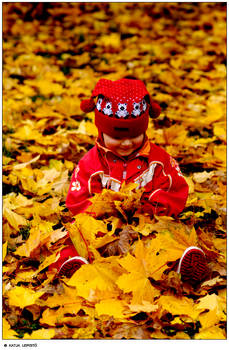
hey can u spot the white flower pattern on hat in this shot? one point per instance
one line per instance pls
(98, 104)
(136, 109)
(144, 105)
(108, 109)
(122, 110)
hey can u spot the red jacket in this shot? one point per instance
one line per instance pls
(166, 190)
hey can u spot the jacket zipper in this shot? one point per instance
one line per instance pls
(124, 171)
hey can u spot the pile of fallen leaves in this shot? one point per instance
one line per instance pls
(53, 54)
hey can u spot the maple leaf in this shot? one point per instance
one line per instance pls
(112, 40)
(146, 306)
(87, 128)
(111, 307)
(215, 313)
(177, 306)
(14, 219)
(42, 333)
(94, 278)
(110, 203)
(22, 297)
(136, 279)
(67, 299)
(39, 235)
(7, 332)
(4, 251)
(122, 244)
(86, 332)
(88, 234)
(211, 333)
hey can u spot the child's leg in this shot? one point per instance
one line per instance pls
(69, 260)
(65, 253)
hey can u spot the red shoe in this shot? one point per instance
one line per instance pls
(68, 262)
(193, 265)
(71, 265)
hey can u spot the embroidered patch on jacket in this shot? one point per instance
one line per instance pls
(75, 186)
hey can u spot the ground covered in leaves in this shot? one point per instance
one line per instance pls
(54, 53)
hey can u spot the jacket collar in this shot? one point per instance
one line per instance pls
(144, 151)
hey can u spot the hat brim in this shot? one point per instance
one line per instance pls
(121, 128)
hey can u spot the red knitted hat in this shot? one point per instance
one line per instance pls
(122, 108)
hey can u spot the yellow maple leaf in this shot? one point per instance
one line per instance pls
(49, 317)
(215, 112)
(14, 201)
(49, 207)
(85, 333)
(209, 319)
(4, 250)
(213, 305)
(39, 181)
(98, 276)
(89, 234)
(25, 275)
(146, 306)
(145, 225)
(27, 133)
(67, 298)
(65, 314)
(113, 40)
(14, 219)
(203, 176)
(7, 332)
(87, 128)
(177, 306)
(78, 240)
(136, 280)
(111, 202)
(46, 87)
(104, 203)
(219, 130)
(39, 235)
(184, 238)
(68, 106)
(54, 76)
(111, 307)
(220, 153)
(48, 261)
(42, 333)
(213, 333)
(22, 297)
(22, 165)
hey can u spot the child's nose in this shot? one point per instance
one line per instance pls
(126, 142)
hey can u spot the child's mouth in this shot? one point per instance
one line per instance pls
(125, 150)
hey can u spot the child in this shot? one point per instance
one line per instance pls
(124, 153)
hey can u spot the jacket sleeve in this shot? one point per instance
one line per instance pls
(78, 193)
(169, 190)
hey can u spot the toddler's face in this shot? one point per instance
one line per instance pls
(124, 146)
